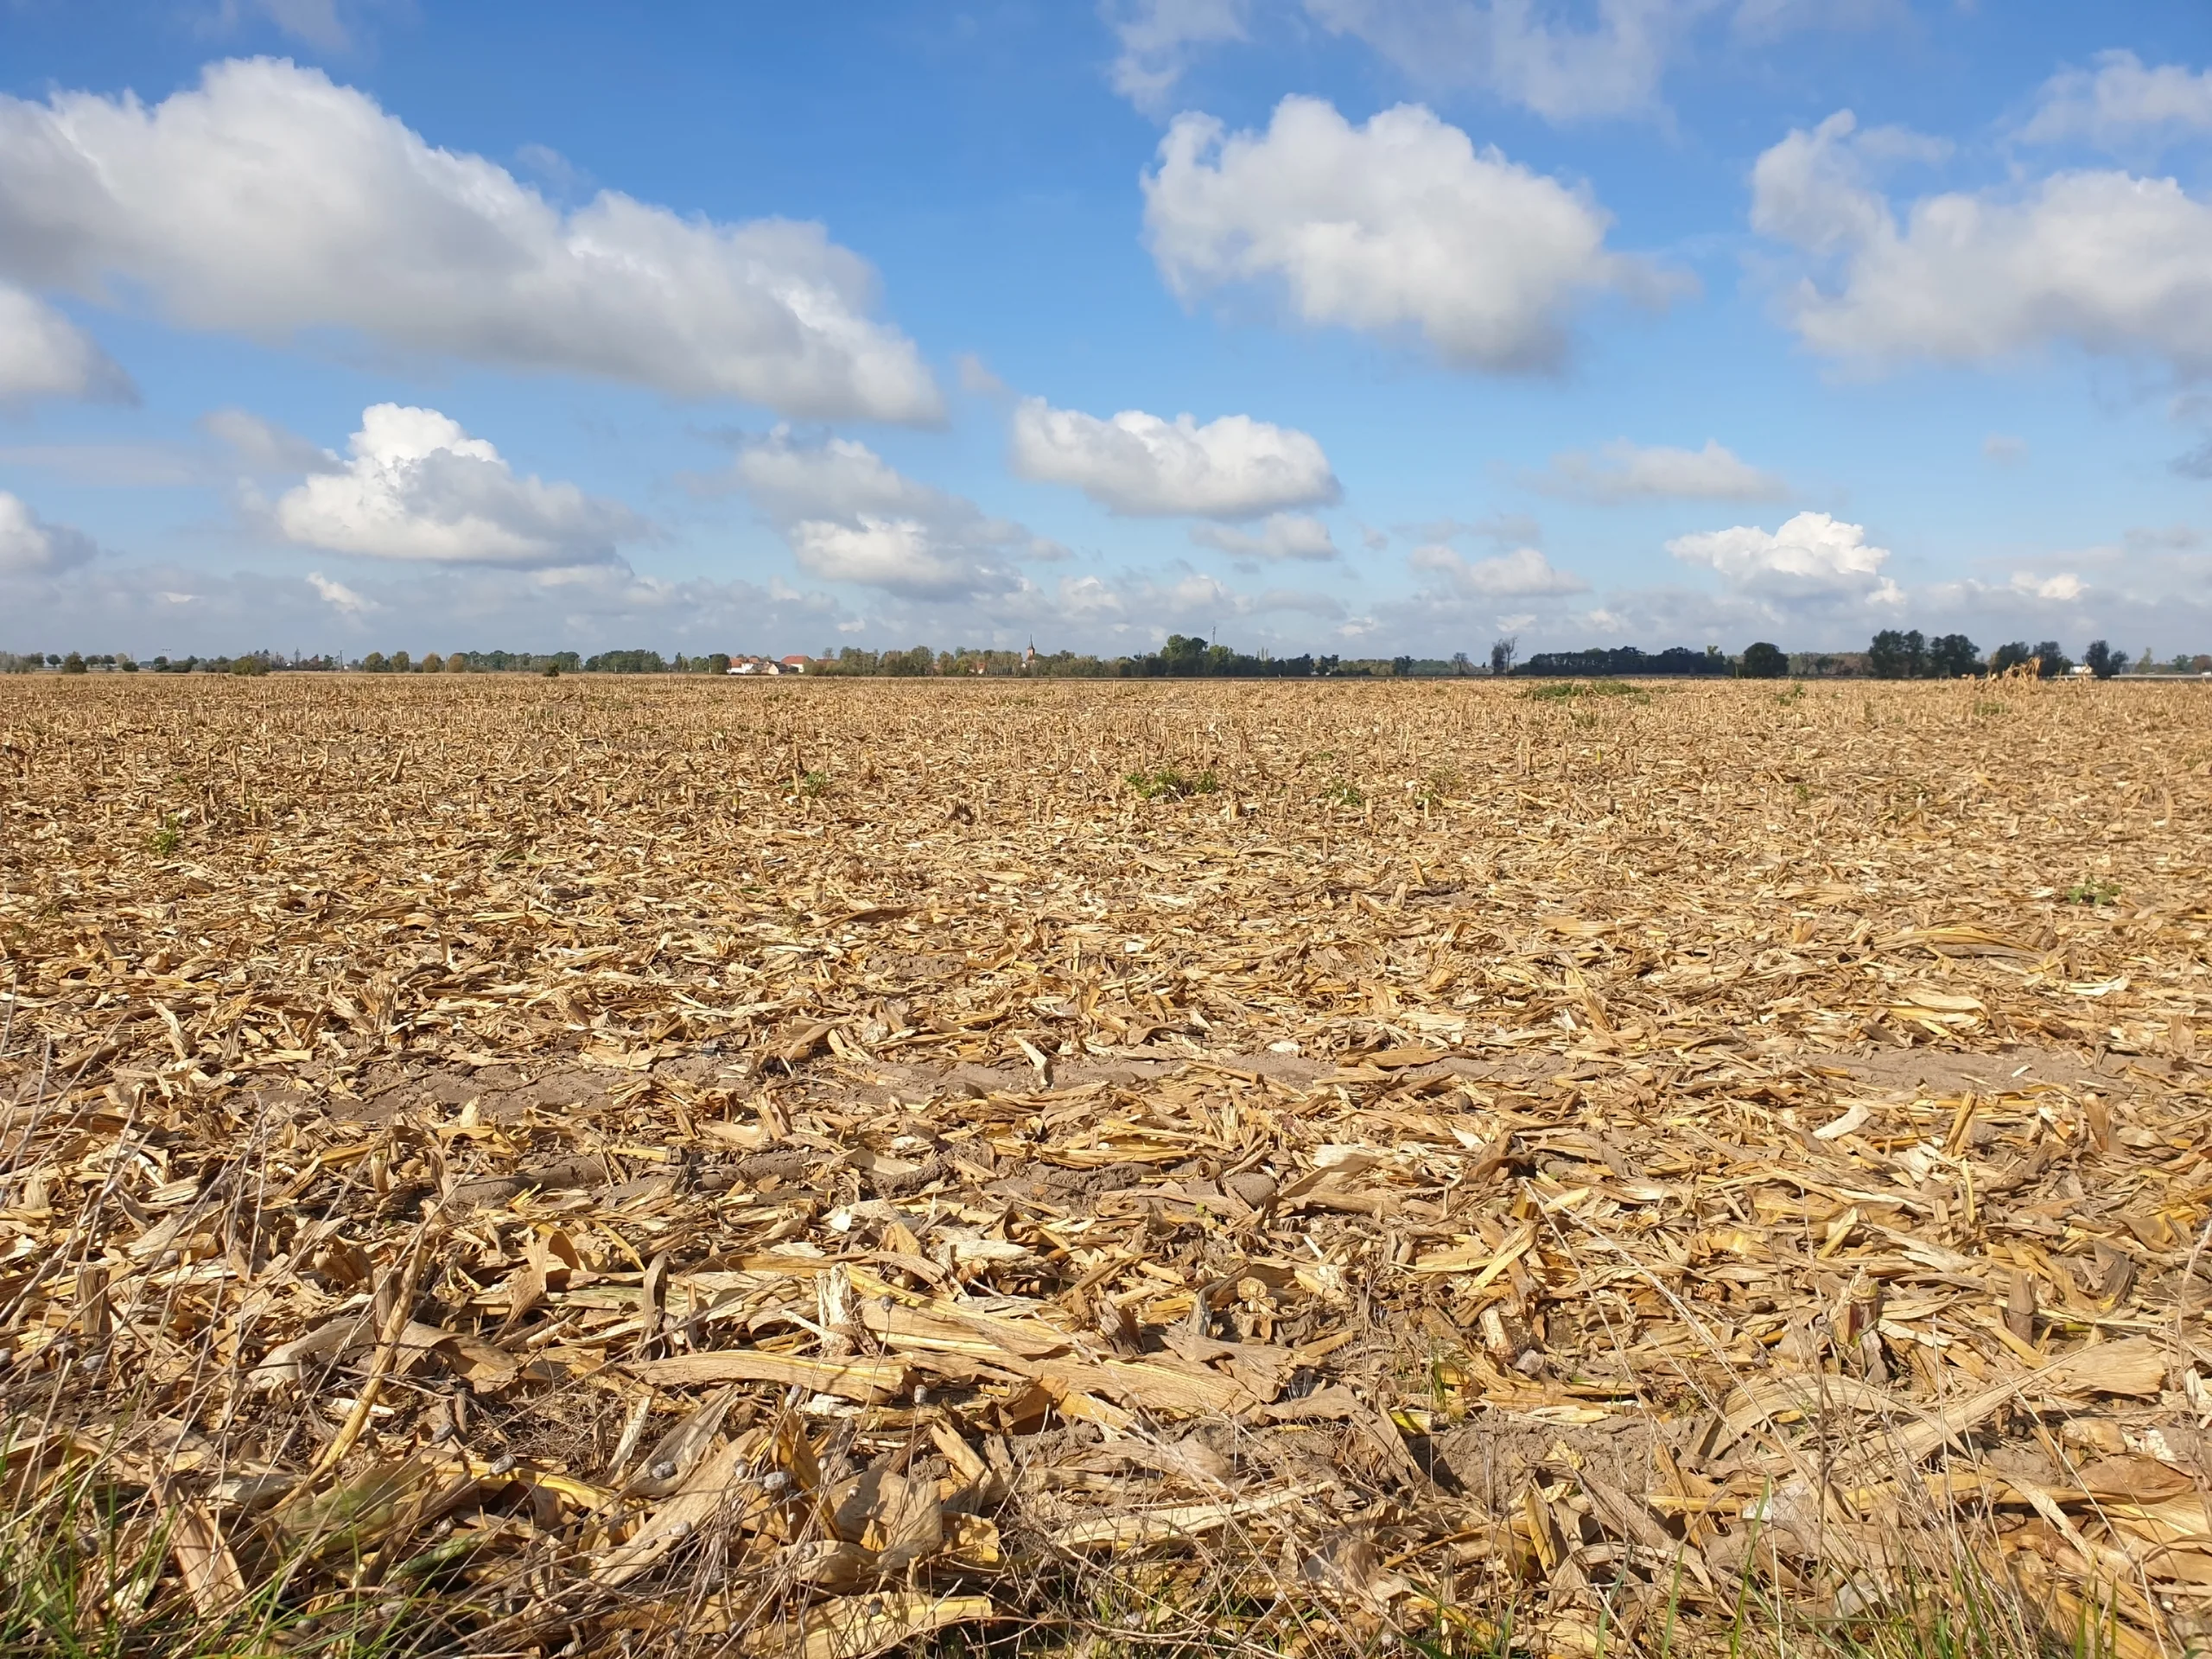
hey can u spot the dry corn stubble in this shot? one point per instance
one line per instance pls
(545, 1166)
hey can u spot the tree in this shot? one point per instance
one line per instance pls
(1953, 657)
(402, 662)
(72, 663)
(374, 664)
(2007, 656)
(1501, 652)
(1886, 657)
(433, 664)
(2102, 660)
(2052, 663)
(1461, 663)
(1764, 661)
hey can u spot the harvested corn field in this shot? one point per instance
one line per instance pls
(523, 1166)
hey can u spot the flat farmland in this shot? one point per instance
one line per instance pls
(604, 1163)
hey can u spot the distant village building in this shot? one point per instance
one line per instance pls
(795, 663)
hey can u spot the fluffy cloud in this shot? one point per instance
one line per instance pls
(268, 201)
(1281, 536)
(2120, 104)
(340, 597)
(1156, 37)
(29, 547)
(418, 487)
(1811, 555)
(1527, 53)
(1564, 60)
(43, 354)
(850, 516)
(1625, 471)
(1194, 602)
(2065, 587)
(1400, 223)
(1524, 573)
(1140, 465)
(900, 556)
(2114, 263)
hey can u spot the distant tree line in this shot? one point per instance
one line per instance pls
(1909, 655)
(1180, 657)
(117, 661)
(1627, 662)
(1894, 654)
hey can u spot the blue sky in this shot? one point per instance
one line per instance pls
(1353, 326)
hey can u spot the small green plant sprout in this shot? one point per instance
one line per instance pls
(2092, 890)
(813, 784)
(1796, 694)
(1342, 793)
(1166, 782)
(168, 837)
(1436, 789)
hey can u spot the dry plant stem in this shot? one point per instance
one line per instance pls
(1570, 1173)
(387, 1350)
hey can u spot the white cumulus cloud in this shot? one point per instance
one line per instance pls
(849, 516)
(1156, 38)
(902, 556)
(2064, 587)
(1280, 536)
(1562, 63)
(2111, 262)
(1524, 573)
(1143, 466)
(30, 547)
(268, 201)
(43, 354)
(339, 596)
(1565, 60)
(1622, 471)
(418, 487)
(1400, 223)
(1811, 555)
(2120, 103)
